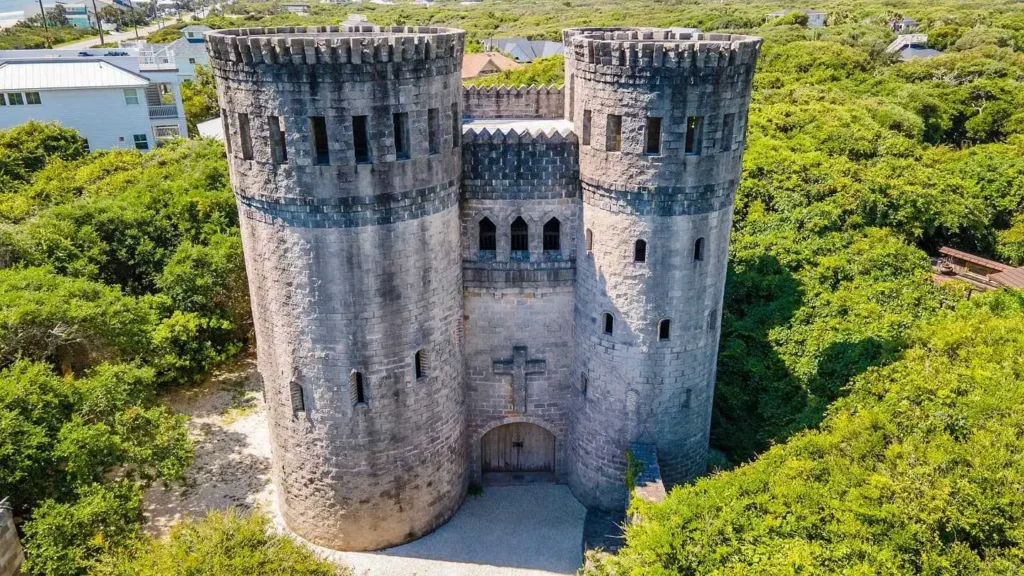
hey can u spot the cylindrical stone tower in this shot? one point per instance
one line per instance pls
(345, 157)
(660, 118)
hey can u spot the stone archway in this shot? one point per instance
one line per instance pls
(517, 452)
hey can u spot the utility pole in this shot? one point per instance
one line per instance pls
(99, 22)
(46, 30)
(135, 19)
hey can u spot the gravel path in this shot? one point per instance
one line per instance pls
(534, 530)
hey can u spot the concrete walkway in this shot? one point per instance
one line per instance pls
(534, 530)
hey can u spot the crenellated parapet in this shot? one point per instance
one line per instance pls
(513, 102)
(509, 164)
(638, 51)
(355, 45)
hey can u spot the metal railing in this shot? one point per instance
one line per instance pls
(162, 59)
(163, 111)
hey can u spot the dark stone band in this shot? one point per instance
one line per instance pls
(352, 211)
(658, 200)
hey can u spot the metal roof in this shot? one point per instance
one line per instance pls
(183, 48)
(55, 75)
(968, 257)
(1014, 278)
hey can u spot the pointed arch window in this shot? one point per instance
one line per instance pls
(520, 231)
(488, 236)
(552, 235)
(589, 239)
(640, 251)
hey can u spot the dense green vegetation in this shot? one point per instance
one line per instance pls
(917, 471)
(121, 274)
(222, 544)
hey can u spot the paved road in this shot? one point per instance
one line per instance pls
(128, 34)
(534, 530)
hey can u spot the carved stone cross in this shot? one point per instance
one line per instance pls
(519, 365)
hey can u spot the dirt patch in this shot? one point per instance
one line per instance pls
(232, 463)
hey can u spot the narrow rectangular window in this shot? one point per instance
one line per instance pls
(3, 100)
(298, 401)
(433, 130)
(141, 141)
(131, 97)
(583, 384)
(693, 134)
(728, 121)
(33, 98)
(586, 127)
(456, 125)
(613, 133)
(361, 138)
(16, 99)
(401, 122)
(244, 137)
(227, 129)
(318, 128)
(278, 137)
(419, 364)
(653, 136)
(358, 389)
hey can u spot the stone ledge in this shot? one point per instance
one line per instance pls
(647, 485)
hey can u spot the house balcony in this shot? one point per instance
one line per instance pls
(163, 111)
(162, 59)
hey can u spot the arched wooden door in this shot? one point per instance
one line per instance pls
(518, 447)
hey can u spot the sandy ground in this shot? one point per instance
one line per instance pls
(232, 462)
(534, 530)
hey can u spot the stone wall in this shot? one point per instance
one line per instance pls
(354, 268)
(643, 387)
(525, 300)
(11, 555)
(513, 102)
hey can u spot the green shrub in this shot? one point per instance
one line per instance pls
(221, 544)
(188, 345)
(68, 539)
(917, 471)
(69, 322)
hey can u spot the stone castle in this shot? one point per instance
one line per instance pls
(455, 285)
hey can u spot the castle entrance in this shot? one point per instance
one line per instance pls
(518, 453)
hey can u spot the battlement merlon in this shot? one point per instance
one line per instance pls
(355, 44)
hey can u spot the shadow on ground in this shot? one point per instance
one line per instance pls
(507, 531)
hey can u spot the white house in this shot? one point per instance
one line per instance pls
(188, 50)
(815, 18)
(296, 8)
(115, 99)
